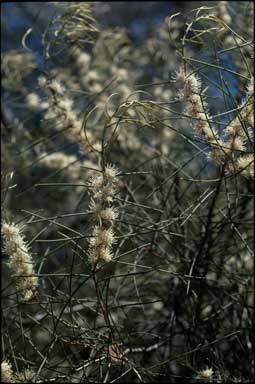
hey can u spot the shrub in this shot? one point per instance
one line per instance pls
(127, 199)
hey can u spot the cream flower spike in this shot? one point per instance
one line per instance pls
(20, 260)
(103, 186)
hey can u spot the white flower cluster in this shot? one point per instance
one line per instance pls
(61, 107)
(103, 187)
(6, 372)
(20, 260)
(61, 111)
(235, 130)
(238, 132)
(9, 376)
(206, 375)
(191, 95)
(245, 163)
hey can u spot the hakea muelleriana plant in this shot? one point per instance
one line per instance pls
(103, 187)
(60, 107)
(20, 260)
(191, 95)
(61, 111)
(244, 163)
(238, 132)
